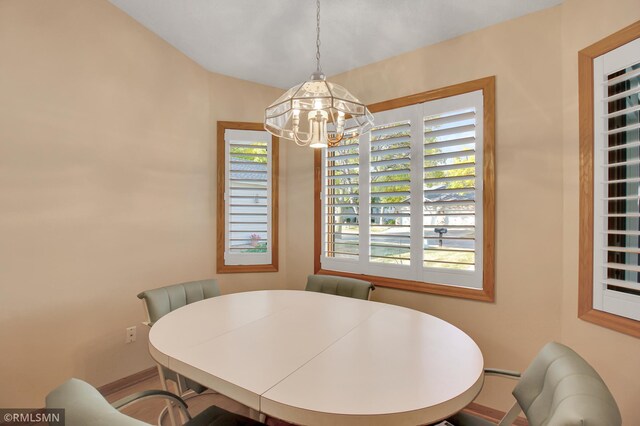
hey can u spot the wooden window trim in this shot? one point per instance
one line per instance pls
(220, 217)
(487, 294)
(586, 56)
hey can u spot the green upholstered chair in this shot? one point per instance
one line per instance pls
(340, 286)
(160, 301)
(85, 406)
(558, 388)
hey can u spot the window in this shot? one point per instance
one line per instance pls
(410, 204)
(247, 199)
(610, 182)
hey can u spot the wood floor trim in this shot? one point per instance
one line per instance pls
(125, 382)
(491, 414)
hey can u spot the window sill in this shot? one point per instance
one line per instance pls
(236, 269)
(417, 286)
(611, 321)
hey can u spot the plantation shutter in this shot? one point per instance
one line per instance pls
(616, 266)
(341, 203)
(452, 190)
(389, 193)
(405, 200)
(248, 204)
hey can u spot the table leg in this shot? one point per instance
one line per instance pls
(164, 387)
(257, 415)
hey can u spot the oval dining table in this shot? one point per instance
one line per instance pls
(317, 359)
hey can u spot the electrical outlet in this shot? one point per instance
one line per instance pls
(131, 335)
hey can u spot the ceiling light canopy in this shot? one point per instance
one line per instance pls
(314, 113)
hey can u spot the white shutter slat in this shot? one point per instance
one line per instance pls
(624, 284)
(383, 152)
(391, 162)
(450, 167)
(456, 117)
(631, 73)
(341, 148)
(449, 143)
(624, 163)
(390, 173)
(334, 196)
(342, 157)
(449, 131)
(449, 154)
(390, 141)
(243, 145)
(616, 232)
(623, 129)
(623, 249)
(626, 197)
(622, 146)
(346, 168)
(622, 266)
(622, 95)
(629, 180)
(381, 132)
(403, 204)
(623, 112)
(383, 184)
(450, 190)
(390, 194)
(431, 181)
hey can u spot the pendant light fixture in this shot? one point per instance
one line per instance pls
(314, 113)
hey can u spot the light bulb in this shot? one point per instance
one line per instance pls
(317, 104)
(318, 128)
(340, 122)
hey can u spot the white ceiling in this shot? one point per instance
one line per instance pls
(273, 41)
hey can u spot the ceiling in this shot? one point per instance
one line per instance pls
(273, 41)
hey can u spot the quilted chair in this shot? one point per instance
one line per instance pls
(340, 286)
(159, 302)
(85, 406)
(559, 388)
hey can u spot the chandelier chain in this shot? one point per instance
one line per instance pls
(310, 115)
(318, 36)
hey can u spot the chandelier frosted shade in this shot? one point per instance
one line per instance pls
(314, 113)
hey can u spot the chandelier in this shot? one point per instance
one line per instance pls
(314, 113)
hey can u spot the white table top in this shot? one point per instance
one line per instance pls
(317, 359)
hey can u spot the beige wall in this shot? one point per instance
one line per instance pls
(616, 356)
(107, 170)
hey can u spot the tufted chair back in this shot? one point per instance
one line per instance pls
(561, 388)
(84, 405)
(161, 301)
(340, 286)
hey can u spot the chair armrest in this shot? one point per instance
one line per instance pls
(509, 374)
(139, 396)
